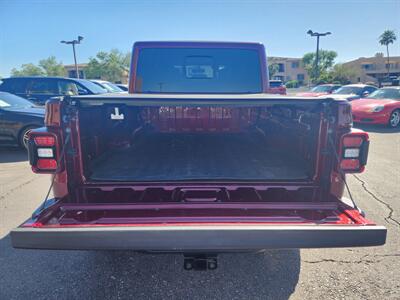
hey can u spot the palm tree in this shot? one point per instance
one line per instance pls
(386, 38)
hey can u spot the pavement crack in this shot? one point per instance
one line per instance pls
(362, 260)
(2, 197)
(391, 211)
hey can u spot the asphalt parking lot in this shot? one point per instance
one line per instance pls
(358, 273)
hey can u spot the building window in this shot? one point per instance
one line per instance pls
(300, 77)
(295, 64)
(288, 78)
(72, 74)
(281, 67)
(391, 66)
(367, 67)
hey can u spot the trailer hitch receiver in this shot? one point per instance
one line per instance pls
(200, 262)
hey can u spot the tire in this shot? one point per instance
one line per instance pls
(23, 136)
(394, 119)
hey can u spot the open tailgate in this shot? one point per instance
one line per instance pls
(229, 227)
(193, 238)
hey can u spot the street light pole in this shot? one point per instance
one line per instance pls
(73, 43)
(76, 65)
(317, 34)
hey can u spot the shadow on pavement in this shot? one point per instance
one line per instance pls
(377, 128)
(12, 154)
(40, 274)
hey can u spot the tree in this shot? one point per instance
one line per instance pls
(52, 67)
(339, 74)
(27, 70)
(272, 70)
(343, 74)
(386, 38)
(46, 67)
(325, 62)
(110, 66)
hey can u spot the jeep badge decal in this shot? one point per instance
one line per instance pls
(116, 115)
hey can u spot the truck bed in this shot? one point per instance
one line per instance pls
(196, 156)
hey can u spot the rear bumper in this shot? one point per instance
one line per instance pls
(198, 237)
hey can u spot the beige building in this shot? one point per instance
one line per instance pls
(289, 69)
(71, 73)
(374, 69)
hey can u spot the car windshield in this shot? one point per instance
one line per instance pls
(111, 87)
(8, 101)
(346, 90)
(386, 94)
(94, 88)
(321, 89)
(198, 70)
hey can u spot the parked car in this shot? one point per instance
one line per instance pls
(108, 86)
(390, 81)
(352, 92)
(381, 107)
(198, 158)
(320, 90)
(123, 87)
(18, 117)
(39, 89)
(276, 87)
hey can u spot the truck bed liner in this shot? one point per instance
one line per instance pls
(177, 156)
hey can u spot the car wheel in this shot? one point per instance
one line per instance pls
(23, 136)
(394, 118)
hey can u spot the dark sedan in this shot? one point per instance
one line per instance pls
(39, 89)
(17, 117)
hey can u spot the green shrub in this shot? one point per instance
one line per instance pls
(292, 84)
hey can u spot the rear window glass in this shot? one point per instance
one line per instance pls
(14, 85)
(198, 70)
(43, 86)
(275, 83)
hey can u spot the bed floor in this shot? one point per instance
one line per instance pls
(180, 156)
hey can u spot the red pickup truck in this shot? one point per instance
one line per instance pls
(197, 158)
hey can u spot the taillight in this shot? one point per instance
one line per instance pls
(46, 164)
(44, 140)
(43, 152)
(354, 151)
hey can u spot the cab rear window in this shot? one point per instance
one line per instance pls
(198, 70)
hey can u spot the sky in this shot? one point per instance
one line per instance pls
(32, 30)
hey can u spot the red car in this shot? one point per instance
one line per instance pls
(320, 90)
(381, 107)
(276, 87)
